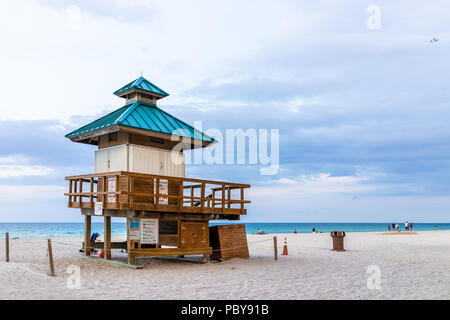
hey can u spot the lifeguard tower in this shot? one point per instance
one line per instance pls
(140, 175)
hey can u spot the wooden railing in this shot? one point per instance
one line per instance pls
(135, 191)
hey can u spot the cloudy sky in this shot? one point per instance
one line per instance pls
(359, 94)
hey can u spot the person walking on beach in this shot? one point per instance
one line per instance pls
(410, 226)
(406, 226)
(393, 226)
(435, 228)
(389, 228)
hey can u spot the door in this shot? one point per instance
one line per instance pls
(111, 159)
(194, 234)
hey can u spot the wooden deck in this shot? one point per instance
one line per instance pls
(142, 192)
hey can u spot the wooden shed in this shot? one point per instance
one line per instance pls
(139, 175)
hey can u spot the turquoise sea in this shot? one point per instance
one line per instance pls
(51, 230)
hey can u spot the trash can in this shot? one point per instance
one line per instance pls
(338, 240)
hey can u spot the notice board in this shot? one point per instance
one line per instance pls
(149, 230)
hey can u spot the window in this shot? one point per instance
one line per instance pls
(168, 227)
(157, 140)
(112, 136)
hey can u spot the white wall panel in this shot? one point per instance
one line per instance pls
(111, 159)
(118, 158)
(101, 161)
(139, 159)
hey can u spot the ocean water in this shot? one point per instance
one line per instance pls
(51, 230)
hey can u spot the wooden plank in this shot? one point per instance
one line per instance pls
(228, 241)
(203, 197)
(112, 262)
(70, 191)
(157, 194)
(223, 198)
(7, 246)
(50, 258)
(91, 197)
(153, 176)
(131, 189)
(87, 235)
(107, 237)
(80, 198)
(76, 189)
(163, 252)
(181, 195)
(275, 248)
(242, 203)
(117, 190)
(130, 245)
(105, 189)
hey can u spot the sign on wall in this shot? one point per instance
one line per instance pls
(135, 232)
(149, 231)
(98, 209)
(112, 188)
(163, 189)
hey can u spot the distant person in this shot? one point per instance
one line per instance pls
(295, 230)
(396, 227)
(389, 228)
(393, 227)
(410, 226)
(435, 228)
(259, 231)
(314, 230)
(406, 226)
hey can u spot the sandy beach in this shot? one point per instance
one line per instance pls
(411, 266)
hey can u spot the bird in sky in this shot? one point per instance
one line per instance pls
(434, 40)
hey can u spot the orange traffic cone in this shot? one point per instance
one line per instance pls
(101, 254)
(285, 250)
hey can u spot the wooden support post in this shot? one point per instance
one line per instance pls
(50, 257)
(157, 193)
(91, 197)
(223, 198)
(70, 191)
(80, 199)
(180, 195)
(192, 196)
(105, 195)
(130, 245)
(202, 201)
(87, 235)
(229, 198)
(242, 200)
(117, 190)
(131, 189)
(107, 238)
(75, 190)
(275, 248)
(7, 247)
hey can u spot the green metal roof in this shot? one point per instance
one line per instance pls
(142, 84)
(144, 116)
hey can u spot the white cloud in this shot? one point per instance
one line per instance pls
(75, 71)
(319, 184)
(8, 171)
(10, 193)
(17, 165)
(13, 159)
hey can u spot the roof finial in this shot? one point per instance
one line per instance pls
(141, 73)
